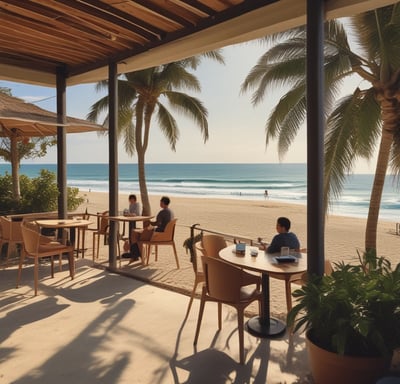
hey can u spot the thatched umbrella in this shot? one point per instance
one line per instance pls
(20, 121)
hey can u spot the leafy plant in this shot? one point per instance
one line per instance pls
(355, 310)
(38, 194)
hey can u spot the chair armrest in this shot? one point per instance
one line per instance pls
(249, 278)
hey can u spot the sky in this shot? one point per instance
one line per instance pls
(236, 128)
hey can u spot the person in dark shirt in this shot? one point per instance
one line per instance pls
(164, 216)
(284, 238)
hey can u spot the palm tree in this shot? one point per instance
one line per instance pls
(356, 123)
(141, 95)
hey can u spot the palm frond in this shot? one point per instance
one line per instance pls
(168, 125)
(192, 108)
(286, 104)
(346, 141)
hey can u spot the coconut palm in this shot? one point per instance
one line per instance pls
(357, 123)
(142, 94)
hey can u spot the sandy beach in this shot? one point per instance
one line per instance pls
(246, 218)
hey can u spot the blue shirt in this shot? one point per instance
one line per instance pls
(288, 239)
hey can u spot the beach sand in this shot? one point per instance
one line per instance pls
(247, 218)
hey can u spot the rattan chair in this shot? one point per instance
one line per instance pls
(228, 284)
(37, 246)
(10, 235)
(158, 239)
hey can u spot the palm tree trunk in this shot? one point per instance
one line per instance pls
(143, 185)
(389, 116)
(15, 168)
(141, 152)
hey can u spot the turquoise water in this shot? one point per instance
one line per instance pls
(284, 182)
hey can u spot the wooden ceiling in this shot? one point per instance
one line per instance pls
(83, 36)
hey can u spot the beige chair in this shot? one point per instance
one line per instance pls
(228, 284)
(101, 230)
(157, 239)
(37, 246)
(298, 278)
(212, 244)
(198, 272)
(10, 234)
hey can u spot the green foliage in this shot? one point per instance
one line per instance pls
(38, 194)
(355, 310)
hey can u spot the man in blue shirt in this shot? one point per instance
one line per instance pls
(284, 238)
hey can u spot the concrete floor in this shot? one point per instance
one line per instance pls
(106, 328)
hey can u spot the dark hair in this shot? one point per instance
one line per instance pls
(284, 222)
(132, 197)
(165, 200)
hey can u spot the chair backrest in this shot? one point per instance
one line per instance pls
(103, 223)
(328, 269)
(31, 239)
(196, 262)
(212, 244)
(168, 234)
(5, 227)
(222, 279)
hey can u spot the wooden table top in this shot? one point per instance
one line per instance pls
(63, 223)
(264, 262)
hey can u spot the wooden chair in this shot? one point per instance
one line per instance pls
(228, 284)
(11, 235)
(212, 244)
(198, 271)
(38, 246)
(101, 230)
(298, 278)
(160, 238)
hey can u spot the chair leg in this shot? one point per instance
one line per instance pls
(52, 266)
(147, 252)
(156, 253)
(36, 275)
(176, 256)
(196, 283)
(94, 247)
(240, 316)
(219, 315)
(71, 264)
(199, 319)
(21, 261)
(288, 291)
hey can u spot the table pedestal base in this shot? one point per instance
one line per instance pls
(259, 327)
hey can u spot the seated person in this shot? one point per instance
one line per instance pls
(164, 216)
(135, 209)
(284, 238)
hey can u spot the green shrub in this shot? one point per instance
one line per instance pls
(39, 194)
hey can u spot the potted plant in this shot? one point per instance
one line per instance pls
(350, 315)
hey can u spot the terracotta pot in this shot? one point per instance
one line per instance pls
(331, 368)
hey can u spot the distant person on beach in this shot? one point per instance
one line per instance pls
(284, 238)
(266, 193)
(164, 216)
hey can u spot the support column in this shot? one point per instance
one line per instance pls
(113, 161)
(61, 144)
(315, 137)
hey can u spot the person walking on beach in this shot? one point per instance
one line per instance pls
(164, 216)
(284, 238)
(266, 193)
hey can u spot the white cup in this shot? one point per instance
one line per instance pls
(285, 251)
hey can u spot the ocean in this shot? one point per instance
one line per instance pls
(284, 182)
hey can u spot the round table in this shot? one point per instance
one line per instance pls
(66, 224)
(264, 325)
